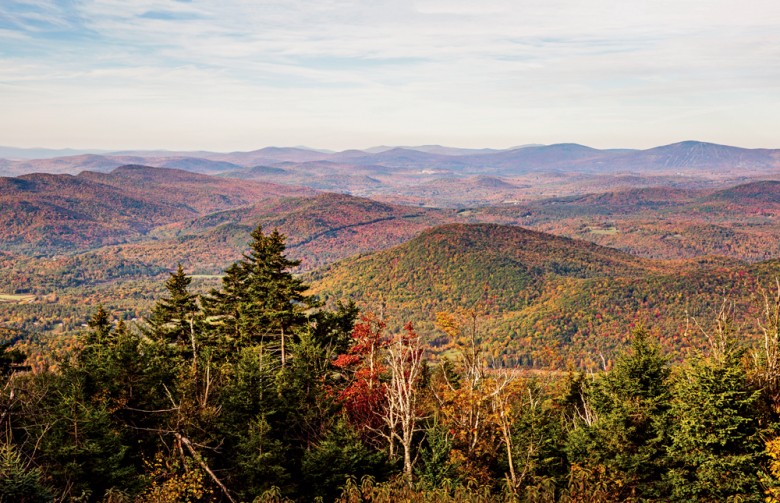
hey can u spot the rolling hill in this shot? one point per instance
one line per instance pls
(201, 193)
(44, 213)
(466, 260)
(544, 294)
(741, 222)
(319, 230)
(128, 276)
(63, 211)
(762, 194)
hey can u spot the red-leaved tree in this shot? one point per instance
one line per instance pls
(362, 366)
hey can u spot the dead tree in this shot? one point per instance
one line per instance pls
(401, 414)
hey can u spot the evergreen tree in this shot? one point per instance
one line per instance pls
(173, 317)
(81, 441)
(262, 462)
(340, 454)
(224, 307)
(19, 483)
(276, 297)
(249, 402)
(716, 451)
(624, 436)
(100, 323)
(92, 425)
(538, 440)
(261, 301)
(305, 407)
(436, 468)
(332, 330)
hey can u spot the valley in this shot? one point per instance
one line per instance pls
(409, 232)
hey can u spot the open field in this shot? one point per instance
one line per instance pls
(8, 298)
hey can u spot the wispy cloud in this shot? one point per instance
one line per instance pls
(233, 74)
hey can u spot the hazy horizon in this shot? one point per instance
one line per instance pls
(47, 152)
(232, 76)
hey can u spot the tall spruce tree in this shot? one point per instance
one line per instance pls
(626, 438)
(100, 323)
(223, 307)
(716, 450)
(173, 317)
(260, 301)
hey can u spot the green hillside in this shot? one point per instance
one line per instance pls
(547, 299)
(460, 262)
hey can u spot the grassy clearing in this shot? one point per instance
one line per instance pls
(609, 231)
(11, 298)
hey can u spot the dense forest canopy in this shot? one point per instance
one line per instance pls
(255, 391)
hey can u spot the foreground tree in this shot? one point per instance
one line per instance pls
(529, 430)
(464, 396)
(260, 301)
(174, 317)
(73, 428)
(362, 366)
(402, 413)
(624, 437)
(716, 450)
(19, 483)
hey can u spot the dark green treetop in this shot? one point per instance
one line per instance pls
(172, 316)
(260, 301)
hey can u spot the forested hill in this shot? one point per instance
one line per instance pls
(459, 262)
(42, 213)
(320, 230)
(543, 292)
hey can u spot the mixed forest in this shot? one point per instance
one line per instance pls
(259, 391)
(542, 323)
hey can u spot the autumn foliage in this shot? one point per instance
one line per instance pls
(363, 395)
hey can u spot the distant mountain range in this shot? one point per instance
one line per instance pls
(570, 157)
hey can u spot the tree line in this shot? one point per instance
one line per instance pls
(256, 392)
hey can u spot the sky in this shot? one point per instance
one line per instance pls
(230, 75)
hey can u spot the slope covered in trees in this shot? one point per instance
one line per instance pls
(51, 295)
(254, 392)
(45, 214)
(662, 222)
(321, 229)
(551, 299)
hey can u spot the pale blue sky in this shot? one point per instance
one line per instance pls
(239, 75)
